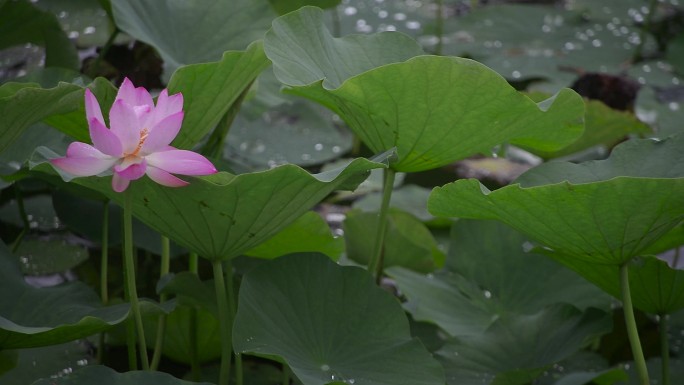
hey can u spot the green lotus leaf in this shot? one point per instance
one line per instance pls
(22, 22)
(443, 109)
(655, 287)
(303, 51)
(210, 89)
(411, 246)
(32, 317)
(103, 375)
(487, 277)
(201, 31)
(22, 105)
(518, 348)
(36, 363)
(330, 324)
(309, 233)
(223, 215)
(602, 211)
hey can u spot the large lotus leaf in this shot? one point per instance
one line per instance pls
(22, 105)
(602, 211)
(517, 348)
(487, 276)
(411, 246)
(32, 317)
(103, 375)
(329, 323)
(177, 338)
(210, 89)
(603, 126)
(197, 32)
(442, 110)
(38, 134)
(22, 22)
(303, 51)
(223, 215)
(309, 233)
(656, 288)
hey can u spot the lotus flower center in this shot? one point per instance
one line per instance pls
(143, 137)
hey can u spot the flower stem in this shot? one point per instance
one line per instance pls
(439, 30)
(376, 263)
(230, 292)
(214, 146)
(664, 349)
(129, 266)
(104, 263)
(285, 379)
(645, 29)
(161, 322)
(195, 369)
(226, 323)
(24, 218)
(630, 322)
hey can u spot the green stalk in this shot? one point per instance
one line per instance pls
(376, 262)
(129, 267)
(130, 332)
(630, 322)
(439, 32)
(161, 322)
(93, 70)
(225, 322)
(104, 263)
(24, 218)
(664, 349)
(230, 292)
(285, 380)
(194, 357)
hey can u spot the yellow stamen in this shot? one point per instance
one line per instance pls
(143, 136)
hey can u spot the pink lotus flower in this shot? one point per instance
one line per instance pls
(137, 143)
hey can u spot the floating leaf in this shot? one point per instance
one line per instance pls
(22, 22)
(200, 32)
(601, 211)
(103, 375)
(33, 317)
(412, 245)
(41, 256)
(443, 110)
(309, 233)
(223, 215)
(48, 361)
(330, 323)
(297, 133)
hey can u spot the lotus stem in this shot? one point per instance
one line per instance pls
(630, 322)
(24, 218)
(195, 369)
(376, 263)
(285, 380)
(230, 292)
(439, 30)
(161, 322)
(225, 322)
(664, 349)
(214, 146)
(104, 264)
(129, 267)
